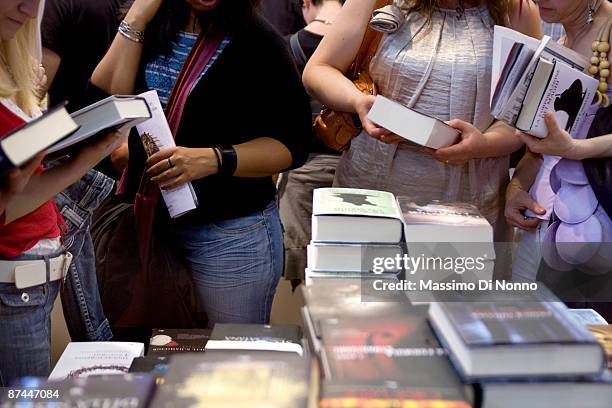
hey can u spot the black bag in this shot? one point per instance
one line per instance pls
(599, 171)
(133, 297)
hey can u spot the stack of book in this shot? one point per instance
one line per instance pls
(351, 230)
(531, 78)
(524, 350)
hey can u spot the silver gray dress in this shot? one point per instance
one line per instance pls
(445, 71)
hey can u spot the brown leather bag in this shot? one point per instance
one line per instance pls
(337, 129)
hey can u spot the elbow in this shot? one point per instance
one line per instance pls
(308, 77)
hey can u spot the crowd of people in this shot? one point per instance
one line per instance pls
(240, 97)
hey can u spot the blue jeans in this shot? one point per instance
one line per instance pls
(236, 265)
(80, 295)
(25, 328)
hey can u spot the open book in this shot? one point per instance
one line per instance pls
(531, 77)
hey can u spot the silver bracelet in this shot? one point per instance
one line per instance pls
(128, 32)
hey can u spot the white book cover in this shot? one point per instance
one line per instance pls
(348, 257)
(82, 359)
(156, 135)
(412, 125)
(569, 94)
(354, 202)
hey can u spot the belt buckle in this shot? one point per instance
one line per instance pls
(66, 265)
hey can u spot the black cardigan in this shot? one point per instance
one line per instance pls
(253, 90)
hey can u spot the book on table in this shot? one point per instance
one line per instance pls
(34, 137)
(128, 390)
(171, 341)
(387, 361)
(232, 336)
(519, 334)
(412, 125)
(237, 379)
(355, 216)
(82, 359)
(531, 78)
(347, 257)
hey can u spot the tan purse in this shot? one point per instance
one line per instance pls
(337, 129)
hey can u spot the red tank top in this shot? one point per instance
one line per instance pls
(23, 233)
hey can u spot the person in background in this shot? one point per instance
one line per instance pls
(530, 187)
(75, 36)
(284, 15)
(296, 186)
(437, 62)
(30, 245)
(245, 119)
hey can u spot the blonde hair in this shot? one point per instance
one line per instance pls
(18, 81)
(499, 9)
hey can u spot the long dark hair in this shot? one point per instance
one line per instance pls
(229, 16)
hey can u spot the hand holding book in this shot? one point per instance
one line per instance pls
(363, 105)
(558, 142)
(467, 148)
(175, 166)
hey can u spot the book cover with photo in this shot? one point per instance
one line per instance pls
(387, 359)
(170, 341)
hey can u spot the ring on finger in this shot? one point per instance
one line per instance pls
(170, 165)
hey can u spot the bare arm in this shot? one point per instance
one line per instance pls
(324, 74)
(262, 157)
(116, 73)
(44, 186)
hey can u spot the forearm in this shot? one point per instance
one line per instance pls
(595, 147)
(500, 140)
(117, 72)
(261, 157)
(526, 171)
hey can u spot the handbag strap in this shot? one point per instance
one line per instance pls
(369, 45)
(298, 52)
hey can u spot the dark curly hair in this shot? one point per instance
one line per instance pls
(229, 15)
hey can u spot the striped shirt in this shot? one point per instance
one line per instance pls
(161, 73)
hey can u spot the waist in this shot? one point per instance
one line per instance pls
(33, 270)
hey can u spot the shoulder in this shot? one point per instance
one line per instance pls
(260, 33)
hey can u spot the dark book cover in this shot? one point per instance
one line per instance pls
(227, 336)
(352, 298)
(387, 359)
(171, 341)
(235, 380)
(128, 390)
(153, 365)
(525, 319)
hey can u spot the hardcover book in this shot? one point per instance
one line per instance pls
(130, 390)
(82, 359)
(412, 125)
(170, 341)
(235, 380)
(345, 257)
(228, 336)
(389, 361)
(22, 144)
(603, 334)
(355, 216)
(521, 334)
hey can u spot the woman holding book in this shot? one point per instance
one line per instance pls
(32, 259)
(530, 197)
(227, 79)
(437, 62)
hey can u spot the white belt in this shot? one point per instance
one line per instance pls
(25, 274)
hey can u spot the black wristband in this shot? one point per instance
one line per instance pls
(229, 161)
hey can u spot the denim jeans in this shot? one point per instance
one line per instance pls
(80, 295)
(236, 265)
(25, 328)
